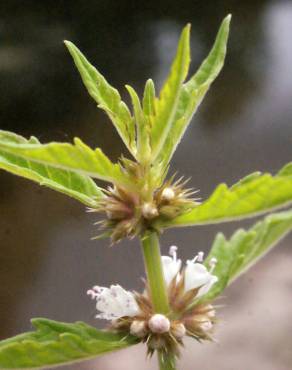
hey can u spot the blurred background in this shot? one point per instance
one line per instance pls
(47, 259)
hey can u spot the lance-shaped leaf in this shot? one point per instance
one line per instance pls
(149, 98)
(142, 128)
(56, 343)
(80, 187)
(193, 92)
(166, 105)
(78, 158)
(107, 97)
(245, 247)
(255, 194)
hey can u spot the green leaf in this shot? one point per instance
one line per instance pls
(244, 248)
(255, 194)
(166, 105)
(107, 97)
(77, 158)
(77, 186)
(55, 343)
(193, 92)
(142, 128)
(149, 98)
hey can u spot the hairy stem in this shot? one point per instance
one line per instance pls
(157, 288)
(155, 278)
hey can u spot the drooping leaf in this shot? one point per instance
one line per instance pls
(107, 97)
(166, 105)
(193, 91)
(80, 187)
(142, 128)
(56, 343)
(77, 158)
(245, 247)
(255, 194)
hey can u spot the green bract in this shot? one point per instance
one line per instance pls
(142, 201)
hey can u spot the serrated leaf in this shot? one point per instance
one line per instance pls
(107, 97)
(193, 92)
(56, 343)
(255, 194)
(245, 247)
(166, 105)
(142, 128)
(80, 187)
(77, 158)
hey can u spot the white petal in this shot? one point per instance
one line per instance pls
(196, 275)
(205, 289)
(116, 302)
(171, 268)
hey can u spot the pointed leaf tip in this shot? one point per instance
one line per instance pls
(106, 97)
(167, 104)
(253, 195)
(192, 92)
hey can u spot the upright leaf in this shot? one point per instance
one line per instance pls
(56, 343)
(142, 128)
(244, 248)
(255, 194)
(166, 105)
(149, 99)
(106, 97)
(77, 158)
(193, 92)
(80, 187)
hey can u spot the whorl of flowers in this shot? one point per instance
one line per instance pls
(133, 313)
(129, 214)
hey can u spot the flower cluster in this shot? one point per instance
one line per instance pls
(129, 213)
(130, 312)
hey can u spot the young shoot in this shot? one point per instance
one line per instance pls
(140, 199)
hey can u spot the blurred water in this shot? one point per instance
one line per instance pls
(47, 260)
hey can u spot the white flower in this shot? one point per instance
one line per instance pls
(171, 265)
(114, 302)
(195, 274)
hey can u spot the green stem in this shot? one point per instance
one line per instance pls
(157, 288)
(155, 278)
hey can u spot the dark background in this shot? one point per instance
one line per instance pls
(47, 259)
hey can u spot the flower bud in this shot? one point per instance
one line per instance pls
(167, 194)
(210, 311)
(138, 328)
(149, 211)
(206, 325)
(159, 324)
(156, 343)
(178, 330)
(200, 322)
